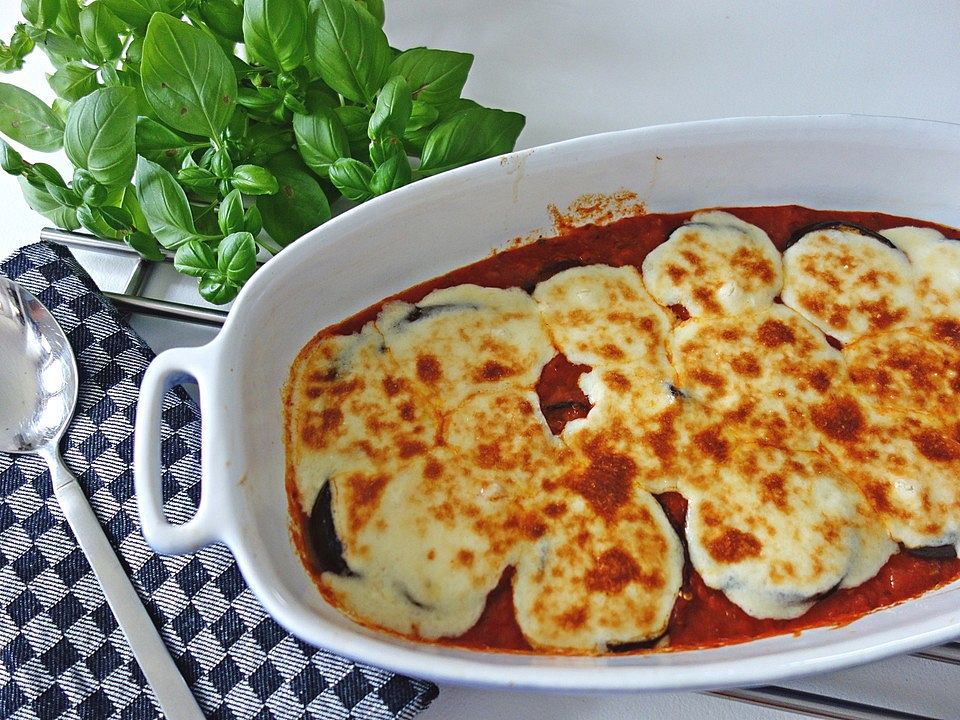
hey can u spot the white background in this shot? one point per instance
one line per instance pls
(580, 68)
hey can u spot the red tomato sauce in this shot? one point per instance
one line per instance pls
(702, 616)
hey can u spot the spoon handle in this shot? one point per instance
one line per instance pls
(169, 688)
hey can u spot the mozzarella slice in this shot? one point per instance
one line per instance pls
(755, 376)
(906, 467)
(351, 410)
(715, 264)
(608, 569)
(460, 339)
(847, 284)
(603, 316)
(773, 530)
(911, 370)
(936, 266)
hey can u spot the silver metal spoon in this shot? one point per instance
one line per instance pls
(38, 394)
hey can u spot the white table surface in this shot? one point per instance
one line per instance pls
(579, 68)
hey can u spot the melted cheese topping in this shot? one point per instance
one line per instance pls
(774, 529)
(714, 264)
(936, 266)
(803, 465)
(848, 284)
(606, 572)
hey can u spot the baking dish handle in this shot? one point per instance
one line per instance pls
(169, 368)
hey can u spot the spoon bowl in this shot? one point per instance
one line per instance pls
(39, 384)
(38, 373)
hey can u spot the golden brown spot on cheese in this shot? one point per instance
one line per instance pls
(612, 572)
(554, 509)
(935, 446)
(753, 263)
(408, 411)
(465, 558)
(489, 455)
(839, 315)
(691, 257)
(392, 385)
(366, 493)
(573, 618)
(617, 380)
(676, 273)
(947, 330)
(813, 303)
(774, 490)
(606, 483)
(839, 418)
(773, 333)
(432, 470)
(431, 554)
(711, 443)
(878, 497)
(611, 352)
(879, 314)
(491, 372)
(711, 379)
(409, 448)
(703, 296)
(428, 369)
(820, 380)
(733, 546)
(746, 364)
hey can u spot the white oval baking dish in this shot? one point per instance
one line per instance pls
(905, 167)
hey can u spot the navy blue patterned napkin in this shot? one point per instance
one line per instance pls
(61, 651)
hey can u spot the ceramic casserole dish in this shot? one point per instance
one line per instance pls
(898, 166)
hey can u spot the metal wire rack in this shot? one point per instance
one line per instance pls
(775, 697)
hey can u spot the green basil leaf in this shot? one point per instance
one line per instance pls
(73, 80)
(394, 105)
(263, 141)
(434, 76)
(197, 179)
(100, 135)
(63, 49)
(26, 119)
(10, 160)
(468, 136)
(92, 192)
(117, 218)
(393, 173)
(41, 174)
(68, 20)
(215, 288)
(298, 206)
(421, 115)
(42, 202)
(136, 13)
(144, 244)
(253, 221)
(187, 78)
(230, 213)
(237, 257)
(164, 205)
(321, 139)
(40, 13)
(100, 31)
(352, 178)
(224, 17)
(275, 32)
(254, 180)
(318, 95)
(385, 148)
(195, 258)
(375, 8)
(355, 121)
(64, 195)
(159, 143)
(92, 219)
(130, 203)
(348, 48)
(12, 54)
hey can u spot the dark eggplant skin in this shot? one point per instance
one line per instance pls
(551, 269)
(839, 225)
(421, 312)
(322, 537)
(934, 552)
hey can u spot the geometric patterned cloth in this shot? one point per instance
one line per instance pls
(61, 651)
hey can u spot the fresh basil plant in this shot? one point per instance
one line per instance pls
(222, 130)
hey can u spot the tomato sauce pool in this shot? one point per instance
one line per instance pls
(702, 616)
